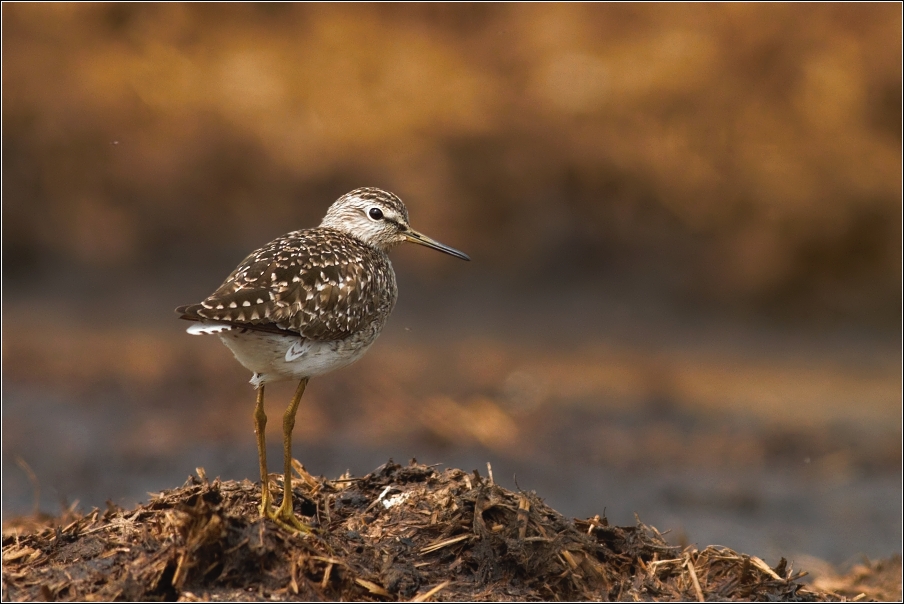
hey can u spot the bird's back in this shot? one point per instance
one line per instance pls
(319, 283)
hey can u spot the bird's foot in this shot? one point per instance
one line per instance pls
(285, 517)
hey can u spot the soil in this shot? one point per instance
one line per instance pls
(399, 533)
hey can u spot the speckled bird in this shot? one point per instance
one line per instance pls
(308, 303)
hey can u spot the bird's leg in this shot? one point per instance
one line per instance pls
(285, 515)
(260, 425)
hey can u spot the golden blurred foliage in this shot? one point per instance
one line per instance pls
(745, 154)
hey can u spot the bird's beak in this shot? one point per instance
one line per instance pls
(415, 237)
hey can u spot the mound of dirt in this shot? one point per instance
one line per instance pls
(400, 533)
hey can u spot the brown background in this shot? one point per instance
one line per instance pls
(685, 222)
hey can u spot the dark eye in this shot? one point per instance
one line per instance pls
(375, 213)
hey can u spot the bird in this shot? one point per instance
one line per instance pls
(308, 303)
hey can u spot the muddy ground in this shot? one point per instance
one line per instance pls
(411, 532)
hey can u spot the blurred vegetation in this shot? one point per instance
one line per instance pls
(746, 156)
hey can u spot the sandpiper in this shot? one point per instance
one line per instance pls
(307, 303)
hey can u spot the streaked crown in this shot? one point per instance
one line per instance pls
(376, 217)
(379, 219)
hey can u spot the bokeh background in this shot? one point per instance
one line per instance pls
(685, 225)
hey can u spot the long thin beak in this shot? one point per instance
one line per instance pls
(415, 237)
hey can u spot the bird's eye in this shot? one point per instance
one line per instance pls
(375, 213)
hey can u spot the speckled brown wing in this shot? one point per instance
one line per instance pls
(320, 283)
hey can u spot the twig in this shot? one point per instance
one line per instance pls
(693, 573)
(293, 579)
(435, 546)
(326, 576)
(327, 560)
(426, 596)
(569, 559)
(657, 563)
(523, 515)
(373, 588)
(765, 568)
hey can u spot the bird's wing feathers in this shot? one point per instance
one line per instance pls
(321, 287)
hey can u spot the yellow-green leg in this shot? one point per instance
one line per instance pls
(285, 515)
(260, 426)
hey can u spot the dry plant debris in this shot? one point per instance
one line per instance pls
(400, 533)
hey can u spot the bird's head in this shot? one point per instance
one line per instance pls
(380, 219)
